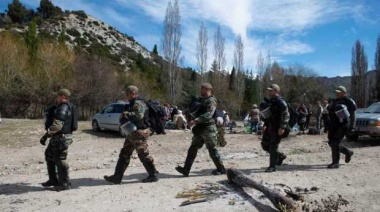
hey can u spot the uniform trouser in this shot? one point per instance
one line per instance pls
(56, 155)
(326, 120)
(270, 143)
(221, 141)
(204, 135)
(135, 141)
(335, 137)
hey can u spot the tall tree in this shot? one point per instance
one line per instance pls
(155, 49)
(48, 10)
(17, 11)
(202, 50)
(377, 68)
(263, 72)
(172, 48)
(359, 66)
(238, 64)
(219, 55)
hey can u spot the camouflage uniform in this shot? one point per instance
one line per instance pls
(271, 140)
(204, 132)
(56, 152)
(221, 141)
(137, 140)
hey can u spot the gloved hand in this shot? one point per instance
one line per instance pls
(43, 139)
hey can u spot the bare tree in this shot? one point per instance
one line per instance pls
(359, 66)
(238, 64)
(172, 48)
(202, 50)
(377, 68)
(219, 54)
(263, 65)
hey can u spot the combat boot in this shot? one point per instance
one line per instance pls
(63, 186)
(53, 180)
(116, 178)
(151, 169)
(270, 169)
(333, 166)
(219, 171)
(280, 158)
(182, 170)
(348, 153)
(191, 154)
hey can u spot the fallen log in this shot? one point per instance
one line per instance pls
(280, 201)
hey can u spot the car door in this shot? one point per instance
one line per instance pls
(105, 118)
(115, 115)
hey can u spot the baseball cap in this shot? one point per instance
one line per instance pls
(206, 85)
(63, 92)
(340, 89)
(273, 87)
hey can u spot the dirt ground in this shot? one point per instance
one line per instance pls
(93, 155)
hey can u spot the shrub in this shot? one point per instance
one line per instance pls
(73, 32)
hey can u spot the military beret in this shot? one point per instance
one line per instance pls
(63, 92)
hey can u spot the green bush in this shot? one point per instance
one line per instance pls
(73, 32)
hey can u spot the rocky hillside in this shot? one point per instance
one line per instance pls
(93, 36)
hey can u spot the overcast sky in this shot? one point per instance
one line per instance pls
(319, 34)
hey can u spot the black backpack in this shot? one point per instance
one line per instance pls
(293, 116)
(74, 116)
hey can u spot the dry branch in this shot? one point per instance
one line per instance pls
(280, 201)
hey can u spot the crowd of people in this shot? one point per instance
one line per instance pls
(207, 125)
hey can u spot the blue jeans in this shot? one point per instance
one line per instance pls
(254, 126)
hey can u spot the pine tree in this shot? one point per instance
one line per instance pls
(155, 49)
(31, 40)
(17, 11)
(231, 82)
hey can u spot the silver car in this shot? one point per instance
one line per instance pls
(367, 123)
(108, 118)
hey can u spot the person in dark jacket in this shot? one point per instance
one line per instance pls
(342, 120)
(59, 128)
(274, 127)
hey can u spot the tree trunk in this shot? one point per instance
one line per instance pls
(280, 201)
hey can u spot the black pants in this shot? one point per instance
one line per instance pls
(335, 138)
(270, 143)
(326, 120)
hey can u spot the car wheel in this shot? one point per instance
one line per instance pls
(352, 137)
(95, 126)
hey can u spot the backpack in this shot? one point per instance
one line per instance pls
(74, 116)
(156, 109)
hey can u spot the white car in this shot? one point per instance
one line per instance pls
(108, 117)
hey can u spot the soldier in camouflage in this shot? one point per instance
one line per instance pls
(339, 126)
(274, 127)
(204, 132)
(59, 127)
(137, 140)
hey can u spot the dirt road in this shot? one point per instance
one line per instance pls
(93, 155)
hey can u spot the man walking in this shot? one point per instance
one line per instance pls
(204, 132)
(342, 119)
(274, 127)
(137, 140)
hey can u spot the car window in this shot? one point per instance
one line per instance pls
(375, 108)
(119, 108)
(109, 109)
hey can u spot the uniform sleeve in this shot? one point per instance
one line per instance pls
(60, 116)
(285, 116)
(137, 113)
(207, 117)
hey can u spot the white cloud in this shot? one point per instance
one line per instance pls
(285, 22)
